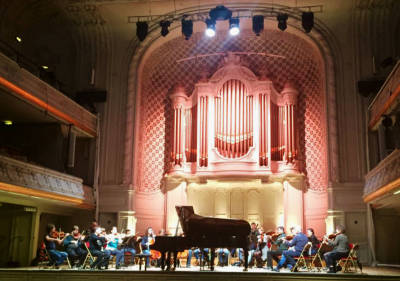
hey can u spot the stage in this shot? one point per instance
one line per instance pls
(220, 273)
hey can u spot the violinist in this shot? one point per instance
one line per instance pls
(96, 244)
(112, 247)
(298, 242)
(50, 240)
(147, 240)
(340, 250)
(276, 239)
(254, 234)
(73, 246)
(314, 241)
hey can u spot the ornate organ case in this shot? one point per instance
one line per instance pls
(234, 123)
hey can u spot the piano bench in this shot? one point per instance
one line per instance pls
(142, 258)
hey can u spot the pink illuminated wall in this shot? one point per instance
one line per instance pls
(158, 116)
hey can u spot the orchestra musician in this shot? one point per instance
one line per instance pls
(340, 249)
(196, 252)
(129, 244)
(253, 240)
(223, 256)
(298, 242)
(113, 240)
(278, 241)
(314, 241)
(148, 240)
(96, 245)
(73, 246)
(50, 239)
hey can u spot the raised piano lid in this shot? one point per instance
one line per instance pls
(184, 212)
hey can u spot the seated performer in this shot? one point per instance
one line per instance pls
(73, 246)
(112, 247)
(96, 244)
(340, 249)
(314, 241)
(129, 244)
(253, 241)
(298, 243)
(196, 253)
(148, 240)
(223, 256)
(274, 254)
(50, 242)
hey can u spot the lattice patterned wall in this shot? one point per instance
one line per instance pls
(161, 73)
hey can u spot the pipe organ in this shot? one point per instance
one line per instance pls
(234, 123)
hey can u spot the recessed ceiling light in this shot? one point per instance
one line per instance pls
(8, 122)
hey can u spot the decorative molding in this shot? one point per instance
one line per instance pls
(21, 174)
(383, 175)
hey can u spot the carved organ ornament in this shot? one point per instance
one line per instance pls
(234, 122)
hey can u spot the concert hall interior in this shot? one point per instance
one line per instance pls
(217, 124)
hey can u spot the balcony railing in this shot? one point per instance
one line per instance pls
(386, 172)
(387, 97)
(33, 180)
(30, 88)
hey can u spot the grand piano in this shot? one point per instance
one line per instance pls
(203, 232)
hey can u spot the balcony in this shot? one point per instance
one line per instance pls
(26, 179)
(387, 98)
(384, 178)
(29, 88)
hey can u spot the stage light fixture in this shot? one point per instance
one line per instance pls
(210, 31)
(258, 24)
(234, 26)
(142, 29)
(164, 27)
(19, 39)
(187, 28)
(307, 21)
(220, 13)
(282, 19)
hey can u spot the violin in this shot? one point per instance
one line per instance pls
(58, 234)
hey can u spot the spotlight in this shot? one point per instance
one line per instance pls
(307, 21)
(141, 30)
(8, 122)
(282, 18)
(19, 39)
(45, 67)
(164, 27)
(187, 28)
(210, 31)
(234, 26)
(258, 24)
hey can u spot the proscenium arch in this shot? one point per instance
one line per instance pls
(320, 38)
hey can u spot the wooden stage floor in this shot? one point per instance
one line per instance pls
(188, 274)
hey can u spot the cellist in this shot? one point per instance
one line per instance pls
(147, 240)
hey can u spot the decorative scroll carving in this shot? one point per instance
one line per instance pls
(385, 172)
(27, 175)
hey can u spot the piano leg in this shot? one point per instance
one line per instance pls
(212, 258)
(175, 259)
(169, 260)
(162, 260)
(246, 258)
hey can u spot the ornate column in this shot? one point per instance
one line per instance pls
(178, 98)
(289, 94)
